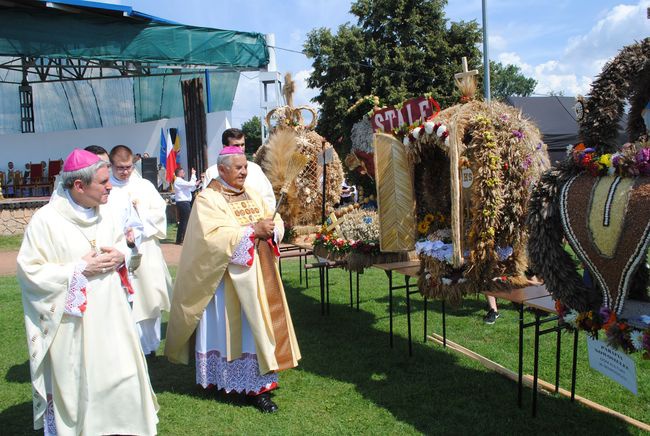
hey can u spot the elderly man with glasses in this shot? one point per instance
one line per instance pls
(151, 281)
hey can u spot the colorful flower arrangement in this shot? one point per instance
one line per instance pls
(435, 220)
(619, 334)
(632, 160)
(424, 132)
(331, 242)
(361, 228)
(372, 100)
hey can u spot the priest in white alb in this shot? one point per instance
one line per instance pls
(151, 281)
(228, 290)
(89, 375)
(256, 179)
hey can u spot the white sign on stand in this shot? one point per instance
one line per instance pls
(612, 363)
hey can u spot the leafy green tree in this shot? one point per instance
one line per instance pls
(397, 50)
(253, 131)
(507, 81)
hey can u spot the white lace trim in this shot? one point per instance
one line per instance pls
(49, 423)
(239, 375)
(75, 300)
(243, 254)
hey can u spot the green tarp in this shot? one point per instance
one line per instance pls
(56, 34)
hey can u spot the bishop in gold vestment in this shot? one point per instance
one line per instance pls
(228, 290)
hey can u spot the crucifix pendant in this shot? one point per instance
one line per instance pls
(93, 245)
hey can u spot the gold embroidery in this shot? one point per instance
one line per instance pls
(245, 211)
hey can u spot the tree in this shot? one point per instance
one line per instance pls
(508, 80)
(253, 131)
(398, 49)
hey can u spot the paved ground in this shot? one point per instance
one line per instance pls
(171, 252)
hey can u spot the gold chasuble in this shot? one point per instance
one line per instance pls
(217, 224)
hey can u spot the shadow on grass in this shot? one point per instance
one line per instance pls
(435, 391)
(17, 420)
(432, 391)
(19, 373)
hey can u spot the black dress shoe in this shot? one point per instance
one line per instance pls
(264, 403)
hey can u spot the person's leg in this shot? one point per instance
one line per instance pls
(493, 313)
(184, 209)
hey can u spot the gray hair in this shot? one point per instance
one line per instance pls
(225, 159)
(86, 175)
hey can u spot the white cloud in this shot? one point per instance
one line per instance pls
(297, 38)
(497, 42)
(585, 55)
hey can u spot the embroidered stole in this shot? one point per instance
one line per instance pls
(248, 213)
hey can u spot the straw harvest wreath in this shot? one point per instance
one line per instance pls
(303, 198)
(500, 156)
(598, 200)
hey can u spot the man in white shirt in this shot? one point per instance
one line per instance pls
(183, 193)
(151, 281)
(256, 180)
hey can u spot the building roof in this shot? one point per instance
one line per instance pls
(76, 29)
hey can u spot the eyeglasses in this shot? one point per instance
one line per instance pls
(125, 169)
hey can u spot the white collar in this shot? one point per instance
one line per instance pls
(223, 182)
(79, 210)
(117, 182)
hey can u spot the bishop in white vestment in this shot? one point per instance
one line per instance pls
(89, 375)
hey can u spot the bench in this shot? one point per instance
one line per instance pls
(291, 251)
(409, 269)
(323, 274)
(537, 299)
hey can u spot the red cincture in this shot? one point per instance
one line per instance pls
(82, 308)
(251, 249)
(274, 247)
(124, 277)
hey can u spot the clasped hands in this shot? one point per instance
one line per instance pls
(100, 263)
(264, 228)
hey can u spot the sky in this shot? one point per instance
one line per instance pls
(563, 44)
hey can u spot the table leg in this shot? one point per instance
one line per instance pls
(357, 291)
(321, 278)
(408, 313)
(425, 319)
(306, 274)
(558, 344)
(521, 355)
(444, 325)
(535, 365)
(351, 303)
(573, 368)
(300, 266)
(327, 288)
(390, 305)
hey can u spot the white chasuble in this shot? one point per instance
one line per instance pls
(90, 367)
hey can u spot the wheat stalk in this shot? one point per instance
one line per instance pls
(296, 164)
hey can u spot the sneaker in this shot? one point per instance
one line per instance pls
(491, 316)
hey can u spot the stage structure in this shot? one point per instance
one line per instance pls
(78, 65)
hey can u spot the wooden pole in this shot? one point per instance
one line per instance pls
(195, 124)
(456, 210)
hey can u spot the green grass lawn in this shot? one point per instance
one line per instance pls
(10, 243)
(351, 382)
